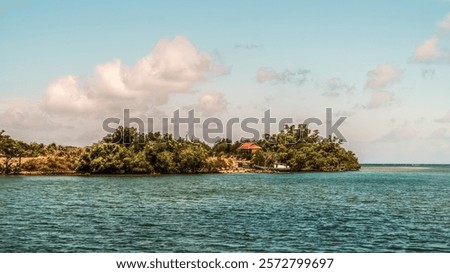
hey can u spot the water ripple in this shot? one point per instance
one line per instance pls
(367, 211)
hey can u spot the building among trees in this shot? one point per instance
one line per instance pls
(248, 148)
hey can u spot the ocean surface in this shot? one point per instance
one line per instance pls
(382, 208)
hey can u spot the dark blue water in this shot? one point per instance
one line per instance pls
(379, 209)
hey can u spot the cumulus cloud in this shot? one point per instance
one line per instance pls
(428, 51)
(335, 87)
(211, 102)
(384, 75)
(445, 118)
(23, 117)
(174, 66)
(65, 95)
(380, 99)
(445, 23)
(269, 75)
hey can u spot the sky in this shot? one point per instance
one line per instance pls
(66, 66)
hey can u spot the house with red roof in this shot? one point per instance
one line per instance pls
(248, 148)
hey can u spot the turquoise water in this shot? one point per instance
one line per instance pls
(378, 209)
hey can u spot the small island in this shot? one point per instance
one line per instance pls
(127, 151)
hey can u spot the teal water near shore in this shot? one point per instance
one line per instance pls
(382, 208)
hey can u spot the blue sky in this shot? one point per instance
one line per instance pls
(66, 65)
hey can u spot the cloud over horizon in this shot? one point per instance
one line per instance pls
(211, 102)
(173, 66)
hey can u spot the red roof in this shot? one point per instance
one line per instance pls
(249, 146)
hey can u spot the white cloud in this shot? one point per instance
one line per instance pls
(109, 82)
(66, 96)
(445, 23)
(380, 99)
(24, 117)
(265, 74)
(384, 75)
(211, 102)
(428, 51)
(174, 66)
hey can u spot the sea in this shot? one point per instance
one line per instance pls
(381, 209)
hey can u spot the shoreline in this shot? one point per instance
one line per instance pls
(238, 171)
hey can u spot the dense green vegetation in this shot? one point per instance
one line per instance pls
(126, 151)
(303, 150)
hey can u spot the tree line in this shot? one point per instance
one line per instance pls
(127, 151)
(304, 150)
(18, 157)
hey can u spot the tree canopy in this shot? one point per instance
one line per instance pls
(127, 151)
(304, 150)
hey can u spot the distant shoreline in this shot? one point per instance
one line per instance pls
(239, 171)
(403, 164)
(364, 166)
(127, 151)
